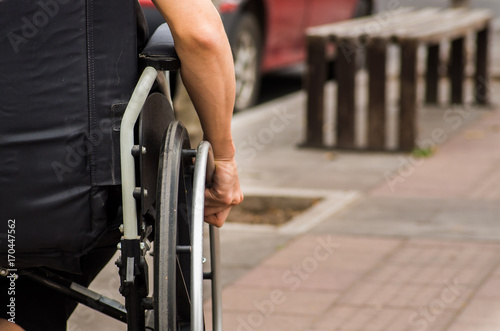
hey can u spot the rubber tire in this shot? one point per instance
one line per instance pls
(248, 35)
(172, 270)
(364, 8)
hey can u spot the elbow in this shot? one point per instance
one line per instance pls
(204, 39)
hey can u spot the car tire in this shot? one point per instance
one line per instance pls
(247, 53)
(364, 8)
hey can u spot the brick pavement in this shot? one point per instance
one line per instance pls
(384, 280)
(367, 283)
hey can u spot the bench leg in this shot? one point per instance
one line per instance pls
(408, 102)
(432, 75)
(345, 72)
(314, 85)
(376, 58)
(482, 79)
(457, 67)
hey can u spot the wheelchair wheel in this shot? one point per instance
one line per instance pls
(172, 234)
(168, 209)
(178, 257)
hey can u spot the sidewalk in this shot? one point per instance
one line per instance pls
(419, 249)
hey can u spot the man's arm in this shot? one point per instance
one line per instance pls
(8, 326)
(208, 73)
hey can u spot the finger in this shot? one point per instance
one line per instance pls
(217, 219)
(210, 210)
(213, 199)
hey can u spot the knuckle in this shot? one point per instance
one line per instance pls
(227, 201)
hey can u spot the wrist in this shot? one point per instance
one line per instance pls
(224, 150)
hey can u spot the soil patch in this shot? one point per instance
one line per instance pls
(272, 210)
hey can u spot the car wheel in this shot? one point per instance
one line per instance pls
(364, 8)
(247, 51)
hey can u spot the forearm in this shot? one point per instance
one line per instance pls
(211, 89)
(207, 67)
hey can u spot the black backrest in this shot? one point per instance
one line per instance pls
(67, 70)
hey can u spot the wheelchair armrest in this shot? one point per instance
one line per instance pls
(159, 52)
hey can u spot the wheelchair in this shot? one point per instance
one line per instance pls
(163, 182)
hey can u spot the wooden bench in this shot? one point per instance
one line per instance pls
(409, 29)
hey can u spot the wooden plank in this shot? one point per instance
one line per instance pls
(456, 71)
(408, 98)
(345, 72)
(428, 24)
(384, 24)
(431, 21)
(376, 58)
(409, 23)
(482, 74)
(348, 25)
(315, 78)
(432, 74)
(380, 24)
(453, 26)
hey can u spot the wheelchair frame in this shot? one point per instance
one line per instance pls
(158, 312)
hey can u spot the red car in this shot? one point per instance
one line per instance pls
(269, 34)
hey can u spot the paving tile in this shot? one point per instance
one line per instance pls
(414, 285)
(412, 274)
(434, 177)
(461, 326)
(256, 321)
(367, 245)
(386, 319)
(329, 280)
(307, 303)
(490, 289)
(415, 256)
(360, 294)
(237, 298)
(333, 252)
(390, 272)
(471, 277)
(488, 187)
(445, 254)
(390, 295)
(420, 321)
(461, 300)
(434, 275)
(402, 295)
(322, 248)
(304, 276)
(351, 262)
(459, 219)
(481, 311)
(85, 318)
(341, 316)
(245, 249)
(414, 296)
(496, 273)
(265, 277)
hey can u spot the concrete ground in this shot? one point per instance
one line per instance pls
(397, 243)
